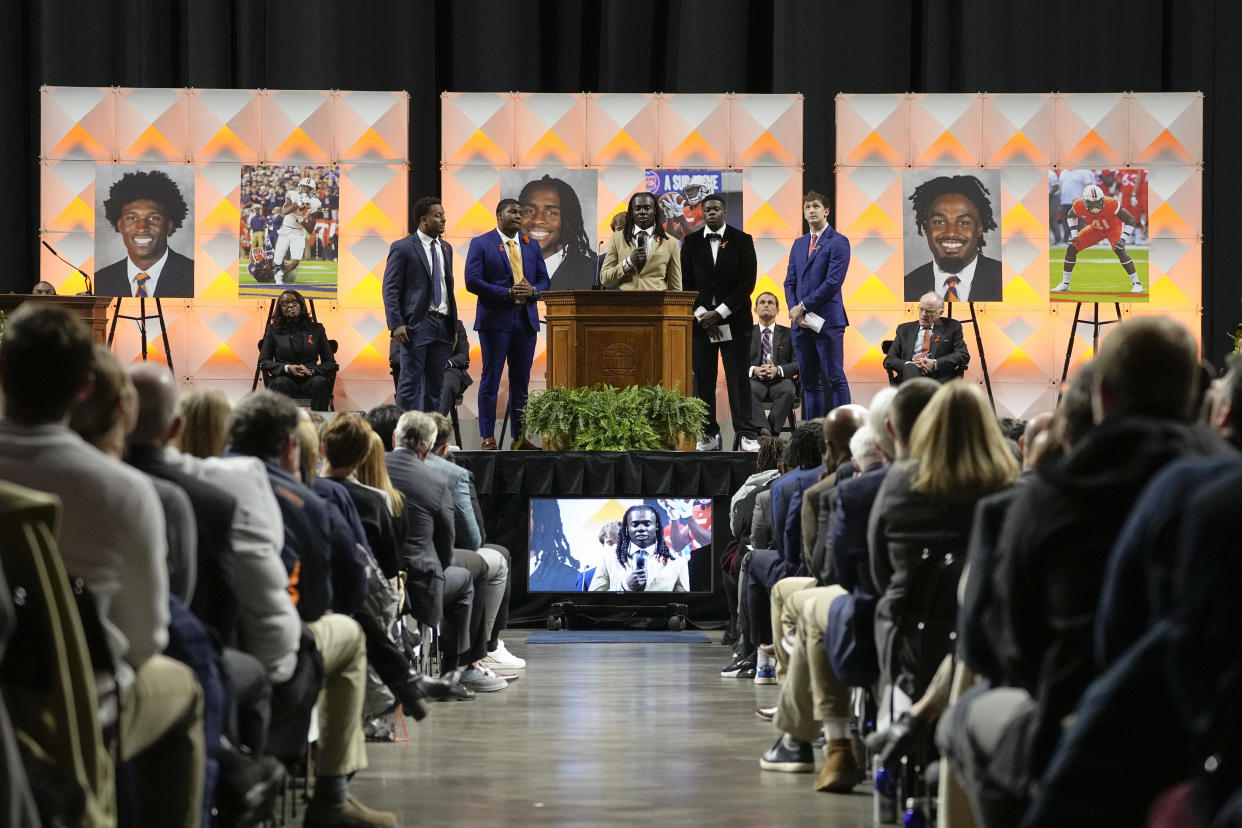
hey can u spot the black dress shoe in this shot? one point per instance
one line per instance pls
(247, 788)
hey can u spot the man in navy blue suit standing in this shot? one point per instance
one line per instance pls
(817, 265)
(419, 307)
(505, 269)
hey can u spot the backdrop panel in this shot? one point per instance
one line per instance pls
(1030, 138)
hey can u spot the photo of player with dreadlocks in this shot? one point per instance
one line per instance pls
(558, 210)
(954, 214)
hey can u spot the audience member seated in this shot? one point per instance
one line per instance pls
(1051, 562)
(264, 425)
(295, 355)
(383, 420)
(773, 366)
(931, 347)
(45, 359)
(741, 515)
(921, 523)
(456, 378)
(441, 592)
(43, 289)
(499, 580)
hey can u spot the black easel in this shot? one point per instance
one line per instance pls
(271, 314)
(1096, 323)
(983, 359)
(141, 319)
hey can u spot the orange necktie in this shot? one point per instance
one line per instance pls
(142, 280)
(926, 349)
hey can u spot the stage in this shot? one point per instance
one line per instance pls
(506, 480)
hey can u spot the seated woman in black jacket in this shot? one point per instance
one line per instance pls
(919, 527)
(296, 356)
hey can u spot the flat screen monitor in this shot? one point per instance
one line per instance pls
(620, 544)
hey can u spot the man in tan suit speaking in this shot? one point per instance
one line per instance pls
(640, 256)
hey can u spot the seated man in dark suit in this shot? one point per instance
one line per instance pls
(931, 347)
(456, 380)
(772, 366)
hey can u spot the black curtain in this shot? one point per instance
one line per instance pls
(816, 47)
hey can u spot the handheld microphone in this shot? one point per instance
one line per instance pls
(642, 240)
(90, 286)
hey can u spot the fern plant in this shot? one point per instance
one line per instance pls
(603, 418)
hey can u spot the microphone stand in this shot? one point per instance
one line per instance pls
(90, 285)
(599, 267)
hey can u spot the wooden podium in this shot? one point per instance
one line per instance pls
(93, 310)
(619, 337)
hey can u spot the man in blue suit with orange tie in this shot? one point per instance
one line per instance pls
(505, 269)
(419, 307)
(817, 265)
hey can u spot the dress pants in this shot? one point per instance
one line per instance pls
(489, 571)
(780, 392)
(455, 383)
(811, 692)
(162, 730)
(785, 618)
(821, 365)
(735, 355)
(317, 387)
(250, 701)
(459, 602)
(502, 612)
(517, 349)
(422, 363)
(341, 643)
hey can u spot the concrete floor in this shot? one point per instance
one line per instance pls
(602, 734)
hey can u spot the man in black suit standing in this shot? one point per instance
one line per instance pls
(773, 364)
(146, 208)
(420, 308)
(718, 262)
(953, 212)
(931, 347)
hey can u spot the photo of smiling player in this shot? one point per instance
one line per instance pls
(953, 214)
(557, 207)
(141, 210)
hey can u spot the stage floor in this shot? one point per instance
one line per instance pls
(621, 734)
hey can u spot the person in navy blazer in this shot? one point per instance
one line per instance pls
(419, 307)
(507, 316)
(813, 285)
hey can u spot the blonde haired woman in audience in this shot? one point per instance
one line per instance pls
(205, 418)
(920, 525)
(374, 473)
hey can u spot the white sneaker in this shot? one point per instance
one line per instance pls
(709, 444)
(490, 673)
(1061, 288)
(749, 444)
(1136, 287)
(503, 659)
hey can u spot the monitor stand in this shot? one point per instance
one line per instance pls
(561, 613)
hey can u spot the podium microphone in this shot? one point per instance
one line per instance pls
(599, 268)
(90, 286)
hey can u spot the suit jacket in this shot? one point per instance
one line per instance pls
(948, 348)
(661, 272)
(728, 281)
(215, 599)
(465, 525)
(984, 287)
(782, 349)
(430, 532)
(814, 277)
(176, 279)
(575, 273)
(407, 282)
(377, 524)
(489, 276)
(306, 346)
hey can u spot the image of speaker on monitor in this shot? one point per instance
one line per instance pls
(144, 229)
(620, 544)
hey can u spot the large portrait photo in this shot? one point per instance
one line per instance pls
(144, 231)
(1097, 235)
(288, 235)
(952, 235)
(558, 209)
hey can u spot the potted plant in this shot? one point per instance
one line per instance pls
(603, 418)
